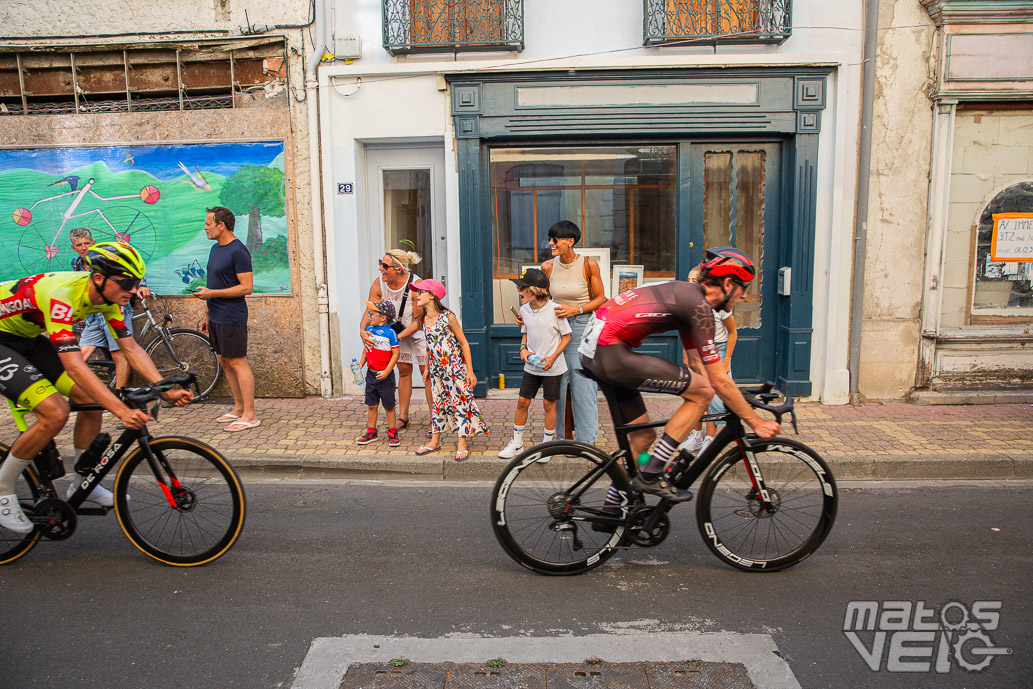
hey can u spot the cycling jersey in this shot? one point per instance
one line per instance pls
(632, 316)
(50, 303)
(624, 323)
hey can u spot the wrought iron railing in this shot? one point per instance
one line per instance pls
(691, 22)
(437, 26)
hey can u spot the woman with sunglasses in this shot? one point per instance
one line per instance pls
(576, 284)
(393, 284)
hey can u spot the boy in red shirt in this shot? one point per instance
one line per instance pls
(380, 360)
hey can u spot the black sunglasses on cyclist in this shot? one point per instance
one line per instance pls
(128, 284)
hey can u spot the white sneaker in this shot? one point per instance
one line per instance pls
(11, 515)
(706, 443)
(693, 443)
(100, 495)
(510, 451)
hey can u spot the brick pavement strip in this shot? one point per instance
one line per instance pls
(689, 674)
(311, 436)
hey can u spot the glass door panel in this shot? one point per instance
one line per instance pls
(407, 212)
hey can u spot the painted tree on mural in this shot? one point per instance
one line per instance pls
(254, 190)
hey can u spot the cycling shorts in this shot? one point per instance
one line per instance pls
(31, 370)
(633, 373)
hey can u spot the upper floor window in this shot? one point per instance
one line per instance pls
(435, 26)
(691, 22)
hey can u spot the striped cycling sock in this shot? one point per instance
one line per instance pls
(660, 460)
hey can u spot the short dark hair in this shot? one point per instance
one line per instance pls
(223, 215)
(565, 229)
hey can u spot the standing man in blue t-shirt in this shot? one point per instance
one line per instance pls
(230, 278)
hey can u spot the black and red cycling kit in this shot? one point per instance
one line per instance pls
(624, 322)
(36, 318)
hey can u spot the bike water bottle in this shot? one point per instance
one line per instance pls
(357, 372)
(49, 462)
(88, 459)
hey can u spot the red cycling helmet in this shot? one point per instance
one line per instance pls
(727, 261)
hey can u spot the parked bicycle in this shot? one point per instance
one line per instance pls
(762, 506)
(187, 506)
(174, 351)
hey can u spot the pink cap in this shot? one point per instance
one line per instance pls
(432, 286)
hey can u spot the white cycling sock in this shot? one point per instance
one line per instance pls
(10, 471)
(518, 434)
(549, 435)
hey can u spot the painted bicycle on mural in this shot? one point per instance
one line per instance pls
(39, 245)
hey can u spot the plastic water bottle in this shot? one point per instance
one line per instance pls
(357, 373)
(535, 360)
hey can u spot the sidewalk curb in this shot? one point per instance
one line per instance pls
(487, 468)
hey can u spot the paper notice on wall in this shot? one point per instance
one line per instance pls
(1012, 238)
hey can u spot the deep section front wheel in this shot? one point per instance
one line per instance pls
(759, 535)
(27, 488)
(547, 508)
(193, 515)
(191, 351)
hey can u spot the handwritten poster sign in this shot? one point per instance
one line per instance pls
(1013, 237)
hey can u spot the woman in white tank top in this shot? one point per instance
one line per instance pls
(577, 285)
(395, 273)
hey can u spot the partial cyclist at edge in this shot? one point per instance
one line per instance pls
(40, 362)
(624, 322)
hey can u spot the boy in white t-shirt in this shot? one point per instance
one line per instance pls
(545, 338)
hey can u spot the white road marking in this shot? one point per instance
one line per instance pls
(328, 658)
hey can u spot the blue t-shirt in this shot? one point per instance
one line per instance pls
(224, 264)
(384, 341)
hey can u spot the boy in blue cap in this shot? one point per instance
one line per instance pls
(380, 360)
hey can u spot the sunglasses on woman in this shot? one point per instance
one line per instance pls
(386, 266)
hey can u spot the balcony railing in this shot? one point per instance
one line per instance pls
(708, 22)
(440, 26)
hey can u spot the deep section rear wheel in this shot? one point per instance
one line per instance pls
(27, 488)
(744, 532)
(200, 515)
(193, 352)
(542, 518)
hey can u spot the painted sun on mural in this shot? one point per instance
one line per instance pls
(153, 197)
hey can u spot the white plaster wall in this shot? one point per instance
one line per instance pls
(379, 98)
(901, 135)
(34, 18)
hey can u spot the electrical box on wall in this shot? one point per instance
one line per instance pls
(347, 47)
(785, 279)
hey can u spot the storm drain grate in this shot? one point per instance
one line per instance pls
(691, 674)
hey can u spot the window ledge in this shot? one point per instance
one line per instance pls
(997, 334)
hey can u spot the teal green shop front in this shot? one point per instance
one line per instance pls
(654, 166)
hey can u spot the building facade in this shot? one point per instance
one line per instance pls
(131, 120)
(661, 128)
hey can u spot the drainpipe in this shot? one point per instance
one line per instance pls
(316, 193)
(864, 165)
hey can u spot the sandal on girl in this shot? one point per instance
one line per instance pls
(426, 450)
(403, 424)
(462, 455)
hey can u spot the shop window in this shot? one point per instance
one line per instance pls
(622, 198)
(725, 21)
(1002, 289)
(452, 25)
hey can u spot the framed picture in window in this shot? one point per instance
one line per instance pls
(602, 256)
(625, 278)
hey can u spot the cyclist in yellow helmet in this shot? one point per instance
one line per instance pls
(40, 363)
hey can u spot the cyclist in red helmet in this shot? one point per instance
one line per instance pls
(623, 323)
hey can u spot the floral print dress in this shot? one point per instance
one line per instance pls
(454, 405)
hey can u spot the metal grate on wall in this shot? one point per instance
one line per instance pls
(106, 78)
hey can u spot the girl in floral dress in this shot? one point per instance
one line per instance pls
(449, 371)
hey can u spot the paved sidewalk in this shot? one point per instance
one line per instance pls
(315, 437)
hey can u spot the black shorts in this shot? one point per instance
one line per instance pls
(31, 370)
(380, 391)
(228, 341)
(632, 373)
(550, 385)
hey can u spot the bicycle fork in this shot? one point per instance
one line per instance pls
(173, 490)
(760, 489)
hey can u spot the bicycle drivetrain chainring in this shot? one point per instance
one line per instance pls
(54, 518)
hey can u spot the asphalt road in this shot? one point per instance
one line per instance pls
(329, 559)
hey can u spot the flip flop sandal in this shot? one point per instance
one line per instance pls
(227, 417)
(426, 450)
(462, 455)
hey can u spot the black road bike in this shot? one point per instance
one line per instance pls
(174, 351)
(177, 499)
(762, 505)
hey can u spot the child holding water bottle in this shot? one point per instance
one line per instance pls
(545, 338)
(380, 360)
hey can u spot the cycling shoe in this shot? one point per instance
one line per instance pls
(99, 495)
(661, 488)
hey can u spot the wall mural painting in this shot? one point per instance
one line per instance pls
(154, 197)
